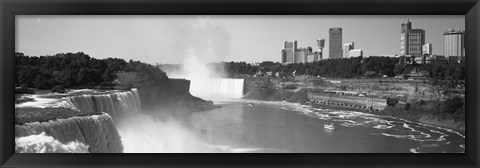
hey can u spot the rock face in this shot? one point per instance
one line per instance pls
(172, 96)
(98, 132)
(264, 89)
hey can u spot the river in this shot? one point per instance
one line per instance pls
(249, 126)
(260, 126)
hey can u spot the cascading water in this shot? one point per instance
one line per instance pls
(75, 134)
(232, 88)
(116, 104)
(217, 88)
(90, 133)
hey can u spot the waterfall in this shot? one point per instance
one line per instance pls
(117, 104)
(217, 88)
(74, 134)
(232, 88)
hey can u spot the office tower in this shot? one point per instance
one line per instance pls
(411, 40)
(335, 47)
(301, 55)
(288, 51)
(346, 50)
(454, 42)
(416, 38)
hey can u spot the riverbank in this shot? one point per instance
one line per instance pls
(448, 113)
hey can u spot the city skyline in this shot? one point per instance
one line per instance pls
(170, 39)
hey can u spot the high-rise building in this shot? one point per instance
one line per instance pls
(292, 54)
(411, 40)
(416, 39)
(335, 47)
(288, 52)
(454, 42)
(427, 49)
(302, 54)
(406, 26)
(347, 48)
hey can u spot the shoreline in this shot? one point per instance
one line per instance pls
(387, 114)
(379, 113)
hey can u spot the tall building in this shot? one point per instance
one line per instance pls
(301, 55)
(347, 48)
(335, 47)
(288, 52)
(292, 54)
(406, 26)
(411, 40)
(427, 49)
(454, 42)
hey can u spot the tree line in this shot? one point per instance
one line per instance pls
(345, 68)
(79, 70)
(355, 67)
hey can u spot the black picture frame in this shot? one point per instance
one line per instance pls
(10, 8)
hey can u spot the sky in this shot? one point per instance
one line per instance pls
(170, 39)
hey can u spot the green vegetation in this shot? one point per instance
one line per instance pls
(59, 89)
(449, 113)
(23, 90)
(78, 70)
(264, 89)
(300, 96)
(356, 67)
(291, 87)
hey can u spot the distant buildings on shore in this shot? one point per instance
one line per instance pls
(355, 53)
(427, 49)
(411, 40)
(350, 51)
(414, 50)
(291, 53)
(347, 48)
(412, 47)
(454, 42)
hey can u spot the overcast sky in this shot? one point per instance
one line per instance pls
(171, 39)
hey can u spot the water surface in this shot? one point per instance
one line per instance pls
(260, 126)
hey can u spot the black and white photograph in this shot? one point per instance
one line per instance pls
(240, 83)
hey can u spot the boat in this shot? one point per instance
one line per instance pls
(329, 126)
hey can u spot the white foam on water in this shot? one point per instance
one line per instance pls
(405, 125)
(432, 126)
(415, 131)
(415, 150)
(382, 127)
(43, 143)
(229, 149)
(38, 101)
